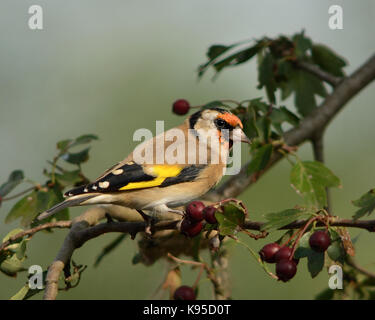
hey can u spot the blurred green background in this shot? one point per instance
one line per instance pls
(111, 67)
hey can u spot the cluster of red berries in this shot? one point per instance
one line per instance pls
(181, 107)
(184, 293)
(196, 212)
(286, 265)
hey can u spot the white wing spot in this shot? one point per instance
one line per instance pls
(104, 184)
(117, 172)
(85, 190)
(94, 187)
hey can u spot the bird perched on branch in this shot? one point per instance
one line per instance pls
(167, 171)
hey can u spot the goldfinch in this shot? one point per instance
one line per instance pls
(158, 186)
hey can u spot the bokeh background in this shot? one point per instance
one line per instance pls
(111, 67)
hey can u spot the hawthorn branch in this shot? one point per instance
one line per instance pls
(321, 74)
(32, 231)
(314, 123)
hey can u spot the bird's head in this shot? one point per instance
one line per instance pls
(225, 124)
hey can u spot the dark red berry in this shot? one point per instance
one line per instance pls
(191, 228)
(286, 269)
(194, 210)
(320, 241)
(184, 293)
(181, 106)
(284, 254)
(267, 253)
(209, 214)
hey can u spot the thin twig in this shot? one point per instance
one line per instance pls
(32, 231)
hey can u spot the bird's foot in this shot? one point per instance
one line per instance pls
(149, 220)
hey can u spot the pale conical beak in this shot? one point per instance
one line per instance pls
(239, 136)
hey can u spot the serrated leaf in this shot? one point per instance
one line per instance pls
(109, 248)
(15, 178)
(76, 158)
(328, 60)
(367, 204)
(305, 87)
(280, 219)
(260, 159)
(310, 178)
(229, 221)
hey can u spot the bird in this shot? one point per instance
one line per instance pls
(158, 187)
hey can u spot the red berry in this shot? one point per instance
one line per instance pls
(194, 211)
(181, 106)
(267, 253)
(190, 228)
(286, 269)
(284, 254)
(209, 214)
(184, 293)
(320, 241)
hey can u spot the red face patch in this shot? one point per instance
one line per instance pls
(230, 118)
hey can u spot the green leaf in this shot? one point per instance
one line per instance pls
(315, 263)
(261, 158)
(76, 158)
(21, 294)
(215, 104)
(366, 203)
(237, 58)
(310, 178)
(14, 180)
(249, 123)
(86, 138)
(326, 294)
(63, 144)
(336, 252)
(11, 265)
(109, 248)
(302, 44)
(229, 221)
(27, 206)
(280, 219)
(305, 87)
(328, 60)
(303, 250)
(266, 76)
(264, 126)
(34, 203)
(68, 178)
(315, 260)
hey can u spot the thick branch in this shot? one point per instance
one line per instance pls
(314, 123)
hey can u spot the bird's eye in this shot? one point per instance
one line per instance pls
(220, 123)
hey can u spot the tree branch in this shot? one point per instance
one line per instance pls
(317, 121)
(32, 231)
(321, 74)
